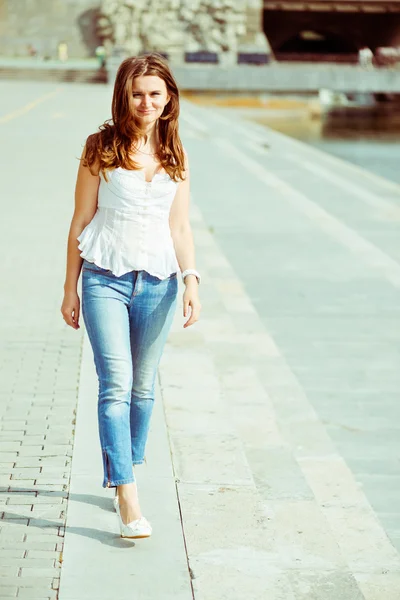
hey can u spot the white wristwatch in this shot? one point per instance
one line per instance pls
(191, 272)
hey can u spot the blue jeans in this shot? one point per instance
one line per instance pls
(127, 319)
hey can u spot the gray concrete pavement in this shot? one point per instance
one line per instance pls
(273, 459)
(92, 529)
(42, 131)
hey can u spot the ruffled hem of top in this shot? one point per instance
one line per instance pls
(94, 248)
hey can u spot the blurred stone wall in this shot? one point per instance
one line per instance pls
(176, 25)
(172, 26)
(46, 23)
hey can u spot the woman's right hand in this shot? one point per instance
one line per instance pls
(70, 309)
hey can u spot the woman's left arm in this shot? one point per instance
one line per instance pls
(182, 236)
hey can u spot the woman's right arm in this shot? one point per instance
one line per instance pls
(86, 191)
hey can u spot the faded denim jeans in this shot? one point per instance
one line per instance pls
(127, 319)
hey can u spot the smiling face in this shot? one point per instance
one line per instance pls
(150, 96)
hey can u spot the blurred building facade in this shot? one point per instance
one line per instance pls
(291, 29)
(333, 30)
(42, 25)
(171, 26)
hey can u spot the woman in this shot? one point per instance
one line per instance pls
(131, 220)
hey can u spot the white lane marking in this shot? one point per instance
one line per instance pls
(262, 150)
(250, 135)
(393, 210)
(350, 518)
(336, 494)
(194, 123)
(21, 111)
(372, 256)
(268, 134)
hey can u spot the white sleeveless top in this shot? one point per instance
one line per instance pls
(130, 229)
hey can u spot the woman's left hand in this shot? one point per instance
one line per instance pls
(191, 299)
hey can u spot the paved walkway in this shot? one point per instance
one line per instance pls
(273, 458)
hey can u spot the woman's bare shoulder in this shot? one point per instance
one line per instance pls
(90, 159)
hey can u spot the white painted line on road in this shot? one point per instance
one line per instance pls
(371, 255)
(338, 163)
(250, 135)
(350, 518)
(22, 111)
(361, 192)
(257, 144)
(254, 147)
(194, 123)
(393, 210)
(241, 127)
(267, 134)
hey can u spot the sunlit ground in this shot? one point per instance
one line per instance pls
(368, 138)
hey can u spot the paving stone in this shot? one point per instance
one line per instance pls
(42, 480)
(8, 570)
(25, 472)
(379, 585)
(58, 488)
(12, 436)
(10, 539)
(43, 523)
(26, 562)
(324, 585)
(13, 426)
(21, 480)
(18, 509)
(47, 554)
(53, 498)
(49, 511)
(55, 461)
(20, 486)
(26, 546)
(9, 446)
(8, 591)
(6, 467)
(15, 520)
(238, 574)
(11, 552)
(25, 462)
(195, 459)
(51, 470)
(8, 458)
(39, 572)
(35, 450)
(28, 583)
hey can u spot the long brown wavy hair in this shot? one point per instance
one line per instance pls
(111, 146)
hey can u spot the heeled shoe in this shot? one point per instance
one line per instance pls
(139, 528)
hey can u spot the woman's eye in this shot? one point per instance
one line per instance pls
(137, 95)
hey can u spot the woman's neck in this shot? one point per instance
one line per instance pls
(149, 135)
